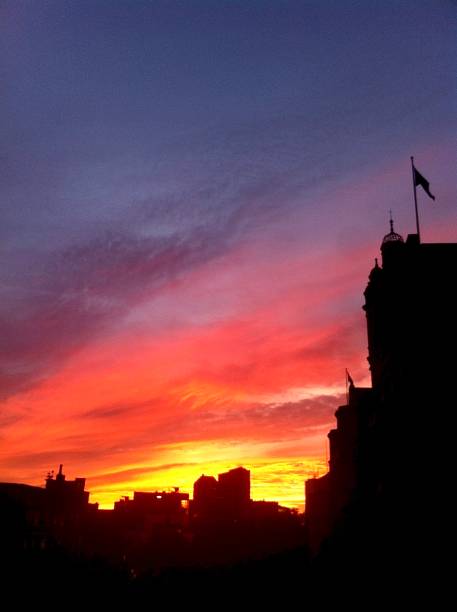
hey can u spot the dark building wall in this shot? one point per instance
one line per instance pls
(382, 451)
(411, 308)
(326, 497)
(410, 305)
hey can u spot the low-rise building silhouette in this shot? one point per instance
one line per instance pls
(56, 515)
(66, 495)
(158, 507)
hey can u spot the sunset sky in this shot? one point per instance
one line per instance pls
(192, 196)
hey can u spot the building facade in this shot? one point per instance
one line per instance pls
(388, 439)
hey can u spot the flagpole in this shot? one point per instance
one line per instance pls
(415, 199)
(347, 386)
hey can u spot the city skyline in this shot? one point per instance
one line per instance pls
(57, 477)
(192, 200)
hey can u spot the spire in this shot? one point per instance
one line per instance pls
(375, 272)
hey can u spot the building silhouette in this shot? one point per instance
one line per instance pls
(328, 496)
(56, 515)
(151, 532)
(379, 492)
(206, 500)
(227, 526)
(66, 495)
(161, 507)
(228, 497)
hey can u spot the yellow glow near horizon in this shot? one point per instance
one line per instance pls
(280, 479)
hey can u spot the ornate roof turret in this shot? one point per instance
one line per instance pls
(392, 236)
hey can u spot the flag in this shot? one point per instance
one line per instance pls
(420, 180)
(350, 381)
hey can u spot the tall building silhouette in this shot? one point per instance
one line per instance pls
(389, 443)
(235, 488)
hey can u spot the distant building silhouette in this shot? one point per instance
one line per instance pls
(225, 498)
(227, 526)
(235, 488)
(388, 437)
(158, 507)
(206, 496)
(153, 530)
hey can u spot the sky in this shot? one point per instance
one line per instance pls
(192, 196)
